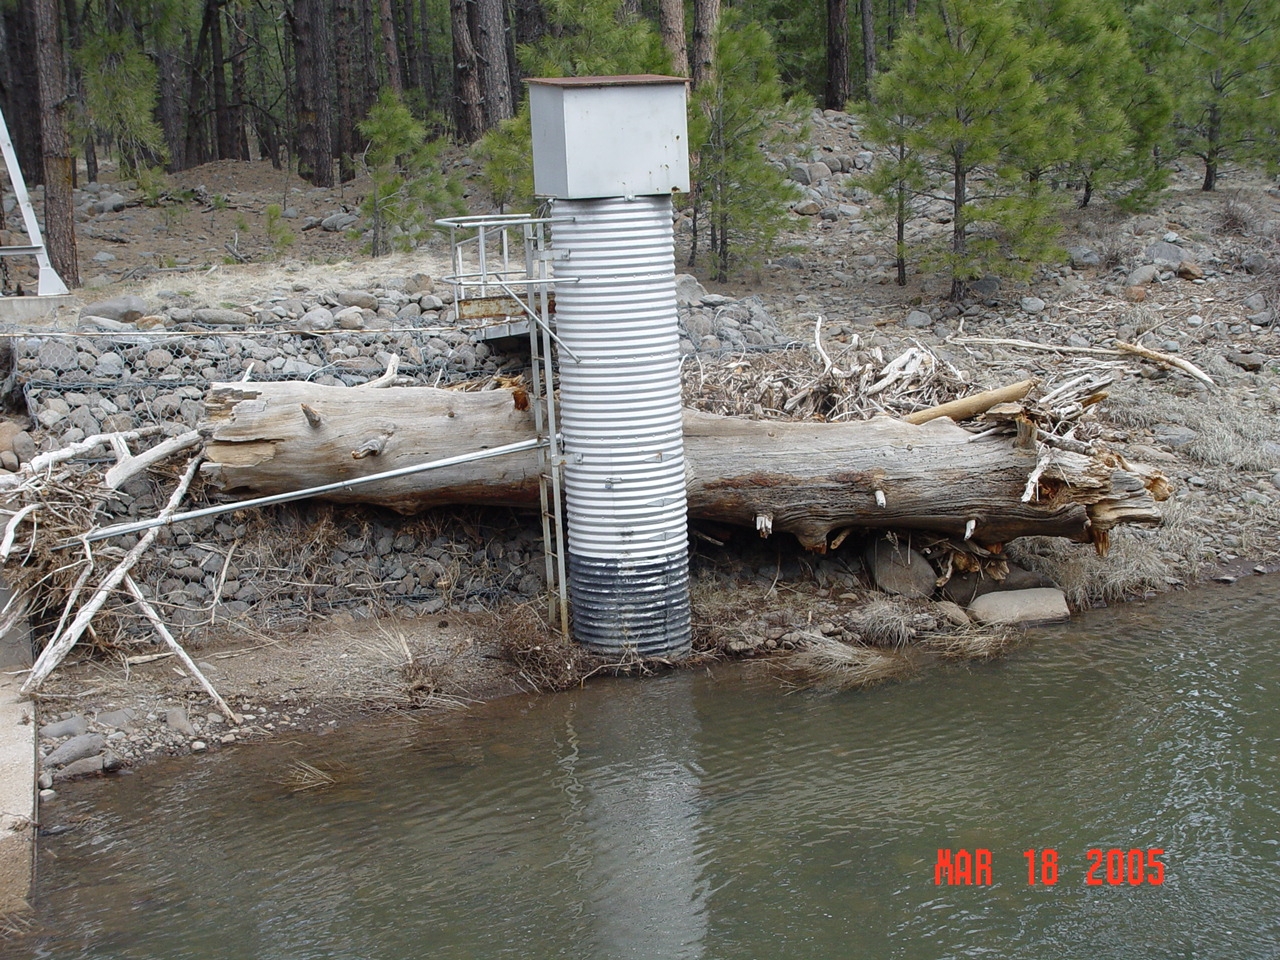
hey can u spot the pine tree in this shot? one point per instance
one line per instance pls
(899, 176)
(961, 84)
(1106, 112)
(408, 188)
(120, 94)
(1222, 61)
(737, 193)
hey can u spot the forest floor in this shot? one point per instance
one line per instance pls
(1219, 446)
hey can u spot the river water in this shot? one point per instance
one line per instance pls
(713, 815)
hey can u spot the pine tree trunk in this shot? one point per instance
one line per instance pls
(489, 26)
(169, 107)
(344, 131)
(196, 150)
(706, 15)
(59, 164)
(959, 182)
(315, 124)
(1214, 139)
(531, 21)
(390, 50)
(20, 90)
(468, 102)
(239, 86)
(900, 244)
(224, 123)
(868, 46)
(671, 30)
(837, 91)
(426, 64)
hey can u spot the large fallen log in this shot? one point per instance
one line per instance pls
(806, 478)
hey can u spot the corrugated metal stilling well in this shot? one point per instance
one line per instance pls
(621, 425)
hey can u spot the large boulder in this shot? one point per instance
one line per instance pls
(1021, 607)
(125, 309)
(897, 569)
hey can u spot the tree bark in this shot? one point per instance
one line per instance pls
(315, 122)
(868, 45)
(20, 89)
(344, 131)
(59, 164)
(671, 30)
(531, 21)
(837, 91)
(489, 29)
(468, 113)
(223, 120)
(706, 16)
(809, 479)
(390, 49)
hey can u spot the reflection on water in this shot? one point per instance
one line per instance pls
(712, 815)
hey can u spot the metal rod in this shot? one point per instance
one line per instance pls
(121, 529)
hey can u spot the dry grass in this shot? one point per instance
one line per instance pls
(888, 622)
(1131, 569)
(1236, 217)
(306, 776)
(828, 664)
(975, 642)
(17, 924)
(545, 659)
(1229, 434)
(424, 675)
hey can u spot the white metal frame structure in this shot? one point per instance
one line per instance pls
(50, 284)
(501, 271)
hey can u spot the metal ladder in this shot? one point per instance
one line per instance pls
(489, 282)
(50, 284)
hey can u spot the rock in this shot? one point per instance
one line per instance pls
(337, 222)
(985, 288)
(900, 570)
(818, 172)
(1135, 294)
(1147, 273)
(80, 768)
(1038, 605)
(953, 613)
(964, 588)
(24, 446)
(126, 309)
(216, 316)
(71, 727)
(1254, 303)
(800, 174)
(1174, 434)
(1246, 361)
(176, 720)
(352, 318)
(1165, 254)
(9, 461)
(1083, 257)
(319, 319)
(1188, 270)
(199, 746)
(45, 780)
(689, 291)
(77, 748)
(101, 325)
(807, 208)
(47, 796)
(1254, 263)
(357, 298)
(117, 719)
(918, 320)
(103, 256)
(1032, 305)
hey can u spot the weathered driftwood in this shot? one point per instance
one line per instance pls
(810, 479)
